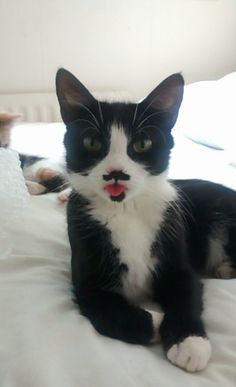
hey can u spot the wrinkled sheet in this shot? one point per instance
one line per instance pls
(45, 342)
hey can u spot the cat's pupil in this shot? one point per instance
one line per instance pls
(92, 144)
(142, 145)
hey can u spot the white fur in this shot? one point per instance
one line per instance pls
(63, 196)
(135, 222)
(217, 258)
(225, 270)
(192, 354)
(157, 318)
(35, 188)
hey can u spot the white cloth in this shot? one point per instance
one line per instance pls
(14, 196)
(45, 342)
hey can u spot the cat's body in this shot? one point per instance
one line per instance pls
(41, 174)
(135, 235)
(209, 212)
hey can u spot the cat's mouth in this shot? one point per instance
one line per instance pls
(116, 191)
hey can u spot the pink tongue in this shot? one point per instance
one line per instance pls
(115, 189)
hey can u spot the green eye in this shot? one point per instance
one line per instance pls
(92, 144)
(142, 146)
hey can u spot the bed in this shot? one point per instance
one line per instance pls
(44, 341)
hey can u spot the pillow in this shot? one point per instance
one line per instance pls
(207, 114)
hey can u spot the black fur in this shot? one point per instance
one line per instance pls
(55, 184)
(26, 160)
(97, 272)
(181, 245)
(206, 206)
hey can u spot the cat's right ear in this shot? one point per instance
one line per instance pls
(72, 95)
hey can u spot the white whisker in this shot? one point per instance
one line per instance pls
(84, 120)
(147, 107)
(135, 113)
(89, 111)
(100, 112)
(150, 115)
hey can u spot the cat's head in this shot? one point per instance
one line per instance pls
(115, 150)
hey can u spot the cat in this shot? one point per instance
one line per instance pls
(41, 176)
(135, 235)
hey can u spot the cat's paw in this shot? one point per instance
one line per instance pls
(45, 174)
(63, 196)
(157, 318)
(192, 354)
(35, 188)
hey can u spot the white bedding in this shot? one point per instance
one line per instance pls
(45, 342)
(192, 160)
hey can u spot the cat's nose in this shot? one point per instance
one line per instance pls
(116, 175)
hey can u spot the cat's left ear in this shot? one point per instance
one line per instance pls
(72, 95)
(166, 98)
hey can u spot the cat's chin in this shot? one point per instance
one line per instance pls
(118, 198)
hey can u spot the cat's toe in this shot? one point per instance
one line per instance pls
(63, 196)
(44, 174)
(192, 354)
(35, 188)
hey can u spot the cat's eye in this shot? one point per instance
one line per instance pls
(92, 144)
(142, 145)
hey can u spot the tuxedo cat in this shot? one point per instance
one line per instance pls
(41, 176)
(134, 234)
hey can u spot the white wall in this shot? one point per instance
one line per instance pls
(114, 44)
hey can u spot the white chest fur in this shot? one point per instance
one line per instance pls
(134, 225)
(134, 237)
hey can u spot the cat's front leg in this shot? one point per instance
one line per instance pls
(96, 275)
(182, 330)
(113, 316)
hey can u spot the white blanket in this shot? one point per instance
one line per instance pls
(45, 342)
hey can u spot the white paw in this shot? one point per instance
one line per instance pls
(157, 318)
(34, 188)
(192, 354)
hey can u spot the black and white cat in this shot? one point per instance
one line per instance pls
(134, 234)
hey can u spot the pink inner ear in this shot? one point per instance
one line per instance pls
(167, 99)
(168, 95)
